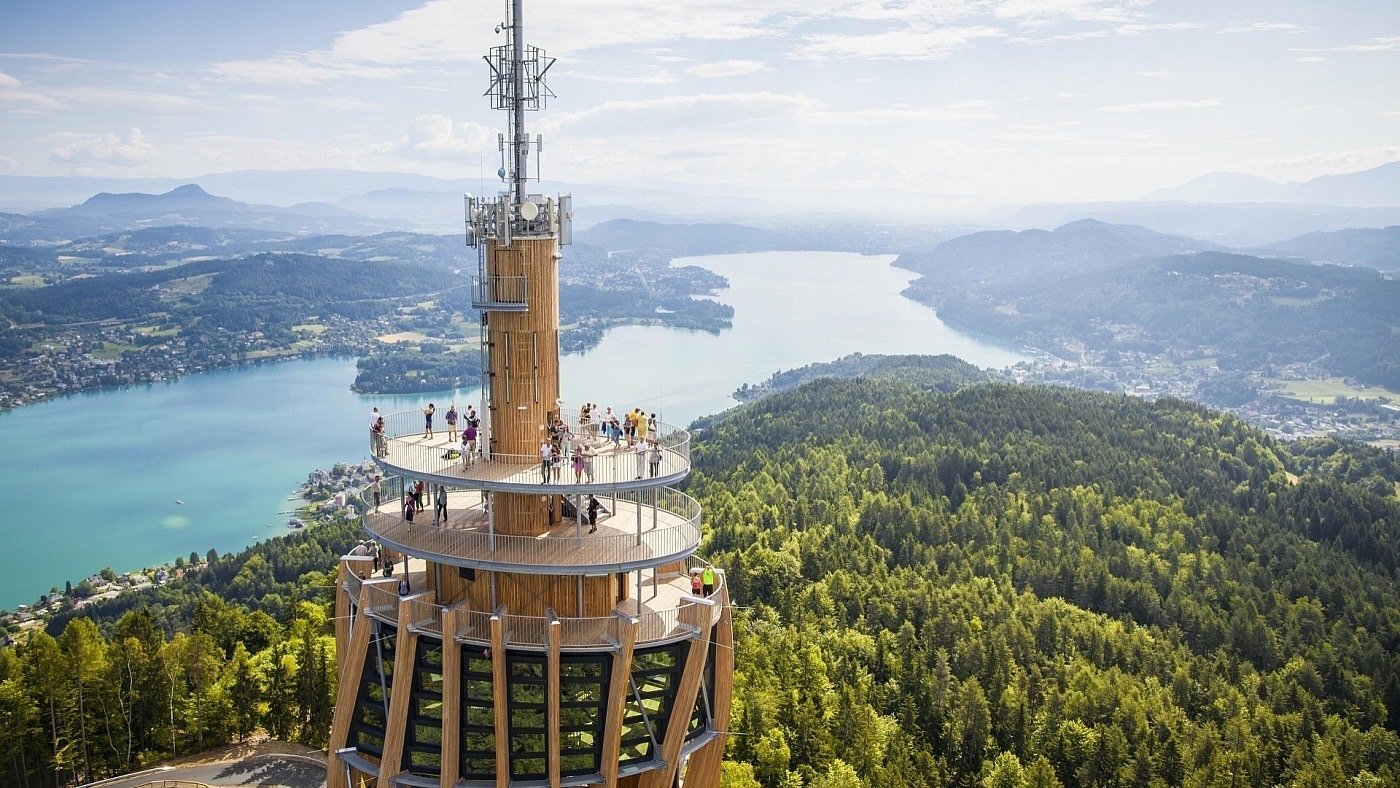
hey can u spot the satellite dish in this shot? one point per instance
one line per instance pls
(528, 211)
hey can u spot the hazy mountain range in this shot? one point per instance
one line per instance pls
(1376, 187)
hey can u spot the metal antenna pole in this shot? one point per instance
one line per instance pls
(522, 143)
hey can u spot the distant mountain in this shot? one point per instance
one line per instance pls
(1376, 187)
(187, 205)
(189, 197)
(1014, 260)
(1373, 248)
(1232, 224)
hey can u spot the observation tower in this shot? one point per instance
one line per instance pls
(528, 649)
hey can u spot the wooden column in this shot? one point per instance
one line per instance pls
(396, 728)
(619, 687)
(704, 765)
(698, 614)
(352, 670)
(552, 689)
(499, 697)
(451, 701)
(523, 350)
(349, 566)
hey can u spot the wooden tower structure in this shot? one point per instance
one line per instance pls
(514, 645)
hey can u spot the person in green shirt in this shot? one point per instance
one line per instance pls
(707, 579)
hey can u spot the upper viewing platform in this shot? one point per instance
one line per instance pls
(607, 465)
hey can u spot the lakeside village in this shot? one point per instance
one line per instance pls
(327, 492)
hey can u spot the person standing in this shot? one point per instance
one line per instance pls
(641, 425)
(707, 579)
(546, 460)
(441, 510)
(410, 506)
(696, 588)
(588, 455)
(374, 488)
(420, 495)
(652, 428)
(654, 456)
(451, 419)
(377, 441)
(577, 460)
(468, 446)
(593, 507)
(641, 458)
(428, 421)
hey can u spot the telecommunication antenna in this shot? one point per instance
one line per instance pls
(517, 86)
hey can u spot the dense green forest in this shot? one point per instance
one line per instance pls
(1001, 585)
(1031, 586)
(942, 372)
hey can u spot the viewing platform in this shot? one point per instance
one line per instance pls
(657, 607)
(438, 460)
(500, 293)
(644, 528)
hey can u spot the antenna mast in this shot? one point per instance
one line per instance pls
(517, 86)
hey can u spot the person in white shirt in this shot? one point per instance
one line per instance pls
(546, 461)
(641, 458)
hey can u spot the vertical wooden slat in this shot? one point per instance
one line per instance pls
(352, 663)
(698, 615)
(451, 700)
(396, 728)
(553, 688)
(499, 699)
(705, 763)
(619, 687)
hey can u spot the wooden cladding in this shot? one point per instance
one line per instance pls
(523, 351)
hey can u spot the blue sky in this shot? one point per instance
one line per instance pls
(979, 100)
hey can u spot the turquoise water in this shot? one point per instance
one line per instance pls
(93, 480)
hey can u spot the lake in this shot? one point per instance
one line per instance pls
(97, 479)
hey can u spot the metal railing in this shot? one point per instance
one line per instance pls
(587, 632)
(406, 447)
(382, 599)
(643, 527)
(500, 292)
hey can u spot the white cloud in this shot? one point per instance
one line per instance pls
(137, 101)
(1157, 74)
(905, 44)
(1043, 11)
(725, 68)
(343, 102)
(680, 111)
(13, 93)
(102, 149)
(434, 137)
(1167, 104)
(1385, 44)
(1263, 27)
(1311, 59)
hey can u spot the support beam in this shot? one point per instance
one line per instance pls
(451, 700)
(618, 685)
(697, 613)
(705, 762)
(553, 687)
(352, 670)
(396, 728)
(499, 699)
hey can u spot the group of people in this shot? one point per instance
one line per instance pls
(415, 500)
(639, 429)
(634, 425)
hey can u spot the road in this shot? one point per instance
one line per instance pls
(268, 770)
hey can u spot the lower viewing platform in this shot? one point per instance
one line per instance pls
(656, 600)
(634, 530)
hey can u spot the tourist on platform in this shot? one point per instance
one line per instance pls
(451, 419)
(441, 510)
(593, 507)
(468, 446)
(588, 455)
(403, 586)
(577, 460)
(641, 425)
(376, 554)
(654, 458)
(629, 427)
(420, 494)
(376, 438)
(585, 421)
(707, 577)
(428, 421)
(374, 416)
(641, 459)
(696, 587)
(546, 461)
(374, 489)
(652, 428)
(410, 507)
(472, 420)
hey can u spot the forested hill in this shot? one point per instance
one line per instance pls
(1013, 585)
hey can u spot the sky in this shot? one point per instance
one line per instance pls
(995, 100)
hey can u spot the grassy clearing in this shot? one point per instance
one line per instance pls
(402, 336)
(1324, 391)
(27, 280)
(157, 331)
(314, 329)
(112, 350)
